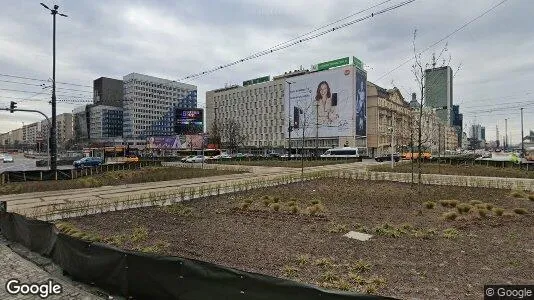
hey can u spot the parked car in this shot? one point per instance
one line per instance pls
(196, 159)
(220, 156)
(88, 162)
(387, 157)
(8, 159)
(187, 157)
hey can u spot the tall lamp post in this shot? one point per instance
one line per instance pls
(53, 138)
(522, 135)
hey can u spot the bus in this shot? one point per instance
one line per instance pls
(345, 152)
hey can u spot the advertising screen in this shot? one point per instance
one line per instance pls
(189, 121)
(326, 98)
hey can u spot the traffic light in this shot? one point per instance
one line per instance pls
(12, 106)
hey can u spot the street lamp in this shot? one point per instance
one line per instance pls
(390, 129)
(53, 139)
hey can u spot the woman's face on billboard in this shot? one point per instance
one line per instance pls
(323, 90)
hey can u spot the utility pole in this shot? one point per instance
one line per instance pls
(289, 125)
(522, 136)
(392, 129)
(505, 134)
(53, 129)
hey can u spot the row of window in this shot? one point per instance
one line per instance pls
(251, 92)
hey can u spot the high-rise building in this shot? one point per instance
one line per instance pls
(81, 120)
(457, 122)
(328, 106)
(438, 92)
(108, 91)
(105, 122)
(150, 105)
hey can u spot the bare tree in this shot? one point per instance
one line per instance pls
(233, 135)
(425, 136)
(214, 134)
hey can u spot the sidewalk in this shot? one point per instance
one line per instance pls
(14, 266)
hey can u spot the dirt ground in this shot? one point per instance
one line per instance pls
(415, 252)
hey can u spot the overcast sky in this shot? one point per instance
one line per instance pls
(173, 39)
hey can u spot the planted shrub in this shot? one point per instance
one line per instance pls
(498, 211)
(429, 204)
(450, 216)
(244, 206)
(475, 202)
(464, 208)
(328, 276)
(531, 197)
(483, 212)
(249, 201)
(315, 201)
(517, 194)
(450, 233)
(294, 209)
(275, 206)
(360, 266)
(489, 206)
(520, 211)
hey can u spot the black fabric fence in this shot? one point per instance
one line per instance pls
(147, 276)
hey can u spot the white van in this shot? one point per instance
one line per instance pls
(345, 152)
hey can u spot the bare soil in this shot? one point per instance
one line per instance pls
(414, 253)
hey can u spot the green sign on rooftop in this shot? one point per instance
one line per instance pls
(257, 80)
(333, 63)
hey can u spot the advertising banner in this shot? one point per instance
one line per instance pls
(326, 98)
(189, 121)
(361, 103)
(176, 142)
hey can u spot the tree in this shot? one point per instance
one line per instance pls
(233, 136)
(418, 70)
(214, 135)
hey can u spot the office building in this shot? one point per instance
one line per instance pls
(457, 122)
(387, 113)
(320, 109)
(81, 120)
(150, 105)
(108, 92)
(438, 92)
(105, 122)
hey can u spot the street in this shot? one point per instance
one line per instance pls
(24, 164)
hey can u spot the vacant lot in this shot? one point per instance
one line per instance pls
(148, 174)
(426, 249)
(294, 163)
(469, 170)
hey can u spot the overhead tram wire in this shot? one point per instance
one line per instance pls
(296, 41)
(444, 38)
(44, 80)
(44, 86)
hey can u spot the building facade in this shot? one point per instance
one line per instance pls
(108, 92)
(81, 121)
(258, 108)
(150, 103)
(310, 111)
(388, 114)
(439, 92)
(105, 122)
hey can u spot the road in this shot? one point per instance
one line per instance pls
(24, 164)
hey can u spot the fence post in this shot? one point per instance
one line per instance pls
(55, 174)
(24, 175)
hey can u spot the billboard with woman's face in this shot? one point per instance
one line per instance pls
(326, 98)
